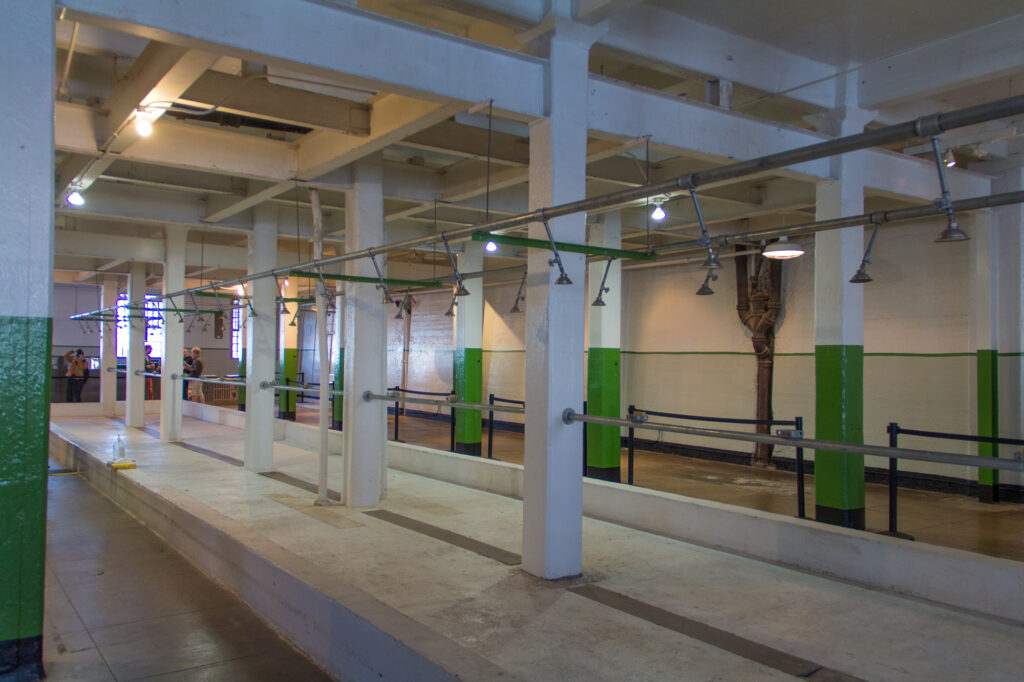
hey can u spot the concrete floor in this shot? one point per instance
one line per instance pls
(121, 604)
(942, 519)
(647, 607)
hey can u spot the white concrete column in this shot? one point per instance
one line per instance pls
(365, 343)
(108, 350)
(135, 386)
(552, 483)
(174, 335)
(839, 331)
(337, 353)
(260, 342)
(468, 360)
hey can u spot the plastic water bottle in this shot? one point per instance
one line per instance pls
(119, 448)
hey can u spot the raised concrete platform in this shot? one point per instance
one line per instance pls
(429, 588)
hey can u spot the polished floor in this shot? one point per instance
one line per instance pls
(943, 519)
(121, 604)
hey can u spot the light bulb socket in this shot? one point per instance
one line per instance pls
(861, 276)
(952, 233)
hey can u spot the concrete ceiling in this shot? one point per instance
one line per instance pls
(841, 32)
(208, 172)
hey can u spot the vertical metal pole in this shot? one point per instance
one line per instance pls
(893, 428)
(801, 505)
(451, 447)
(324, 350)
(629, 471)
(490, 428)
(584, 440)
(395, 389)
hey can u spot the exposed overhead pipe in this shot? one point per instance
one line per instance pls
(62, 88)
(924, 126)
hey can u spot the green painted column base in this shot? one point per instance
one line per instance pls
(839, 416)
(988, 422)
(289, 375)
(468, 384)
(604, 444)
(241, 389)
(24, 446)
(337, 401)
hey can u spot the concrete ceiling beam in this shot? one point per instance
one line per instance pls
(255, 96)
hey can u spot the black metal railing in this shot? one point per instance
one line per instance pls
(797, 423)
(449, 395)
(491, 400)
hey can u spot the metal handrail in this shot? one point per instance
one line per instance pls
(723, 420)
(569, 415)
(296, 389)
(369, 395)
(225, 382)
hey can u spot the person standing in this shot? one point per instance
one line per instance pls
(195, 370)
(77, 366)
(151, 367)
(185, 371)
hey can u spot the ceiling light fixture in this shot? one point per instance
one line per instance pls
(599, 301)
(783, 249)
(75, 199)
(952, 233)
(705, 288)
(491, 247)
(658, 213)
(862, 276)
(519, 296)
(949, 158)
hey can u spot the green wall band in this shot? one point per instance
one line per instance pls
(24, 447)
(603, 389)
(468, 385)
(988, 419)
(839, 416)
(289, 375)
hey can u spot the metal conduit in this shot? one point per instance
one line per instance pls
(569, 415)
(392, 397)
(923, 126)
(895, 215)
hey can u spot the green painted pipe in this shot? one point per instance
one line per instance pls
(368, 280)
(562, 246)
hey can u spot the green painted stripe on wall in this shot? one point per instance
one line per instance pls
(988, 411)
(603, 387)
(289, 371)
(339, 385)
(469, 387)
(839, 416)
(24, 447)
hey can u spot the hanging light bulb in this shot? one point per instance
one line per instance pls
(658, 213)
(491, 247)
(143, 126)
(783, 249)
(240, 291)
(75, 198)
(949, 158)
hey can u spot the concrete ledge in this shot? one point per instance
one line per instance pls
(59, 410)
(953, 577)
(947, 576)
(344, 629)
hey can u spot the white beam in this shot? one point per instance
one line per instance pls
(670, 38)
(158, 76)
(720, 136)
(975, 56)
(392, 118)
(250, 95)
(592, 12)
(180, 145)
(323, 39)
